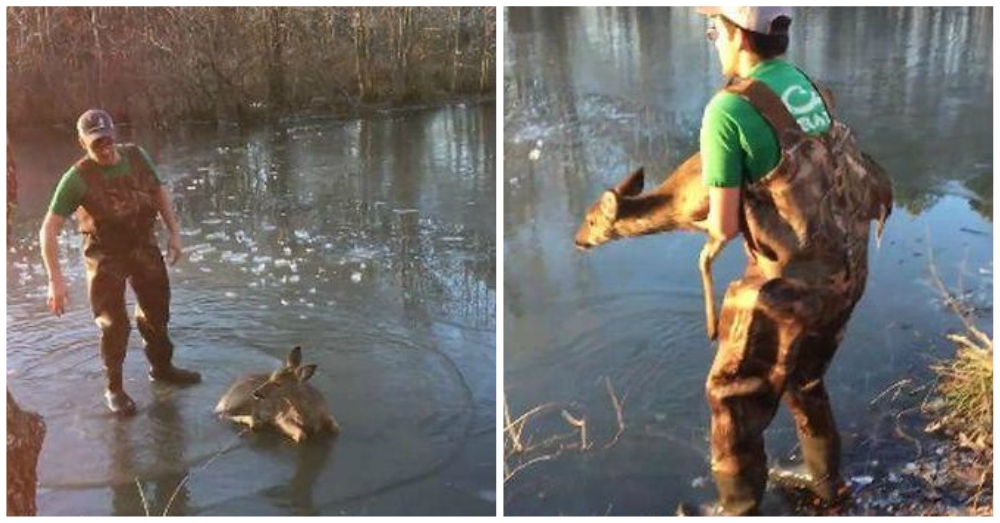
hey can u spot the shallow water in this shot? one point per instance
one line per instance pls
(363, 241)
(591, 94)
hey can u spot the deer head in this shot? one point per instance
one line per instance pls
(624, 211)
(287, 378)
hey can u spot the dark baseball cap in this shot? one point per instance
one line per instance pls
(94, 124)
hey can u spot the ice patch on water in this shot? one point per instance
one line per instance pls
(360, 253)
(211, 221)
(302, 235)
(217, 236)
(356, 277)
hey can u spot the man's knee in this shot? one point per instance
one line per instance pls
(113, 325)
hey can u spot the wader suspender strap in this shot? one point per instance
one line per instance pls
(770, 107)
(785, 128)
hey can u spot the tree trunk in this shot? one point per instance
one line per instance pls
(361, 52)
(98, 56)
(275, 65)
(25, 432)
(456, 51)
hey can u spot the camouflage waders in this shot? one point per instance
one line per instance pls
(807, 225)
(117, 218)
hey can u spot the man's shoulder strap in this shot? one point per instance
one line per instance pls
(768, 104)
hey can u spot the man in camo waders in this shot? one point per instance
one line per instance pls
(781, 170)
(117, 195)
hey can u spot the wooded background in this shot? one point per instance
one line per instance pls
(162, 64)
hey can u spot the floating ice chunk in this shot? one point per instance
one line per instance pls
(699, 482)
(862, 480)
(212, 221)
(190, 232)
(205, 269)
(230, 294)
(240, 236)
(452, 238)
(312, 290)
(216, 236)
(287, 251)
(356, 277)
(302, 234)
(327, 245)
(284, 302)
(293, 278)
(535, 154)
(405, 211)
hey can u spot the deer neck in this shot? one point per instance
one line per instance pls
(649, 214)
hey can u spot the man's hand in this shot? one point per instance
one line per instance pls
(57, 296)
(174, 248)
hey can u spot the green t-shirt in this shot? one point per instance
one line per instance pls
(737, 141)
(72, 188)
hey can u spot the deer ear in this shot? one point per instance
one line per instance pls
(305, 372)
(632, 184)
(294, 357)
(609, 204)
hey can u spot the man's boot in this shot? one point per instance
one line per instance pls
(118, 401)
(740, 494)
(819, 472)
(173, 375)
(161, 368)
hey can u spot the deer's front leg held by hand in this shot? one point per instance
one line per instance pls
(708, 254)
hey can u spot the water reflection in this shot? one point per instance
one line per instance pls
(592, 93)
(163, 494)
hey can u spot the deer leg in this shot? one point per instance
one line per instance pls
(708, 254)
(332, 425)
(247, 420)
(290, 428)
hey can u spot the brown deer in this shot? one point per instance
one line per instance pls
(281, 399)
(680, 203)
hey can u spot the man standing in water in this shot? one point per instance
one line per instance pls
(785, 174)
(117, 195)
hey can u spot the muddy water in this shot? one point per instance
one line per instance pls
(592, 93)
(364, 241)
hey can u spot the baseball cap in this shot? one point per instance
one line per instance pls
(94, 124)
(756, 19)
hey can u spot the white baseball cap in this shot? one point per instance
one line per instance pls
(756, 19)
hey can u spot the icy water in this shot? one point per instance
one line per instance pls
(369, 242)
(592, 93)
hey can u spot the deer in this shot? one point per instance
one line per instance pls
(281, 399)
(680, 203)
